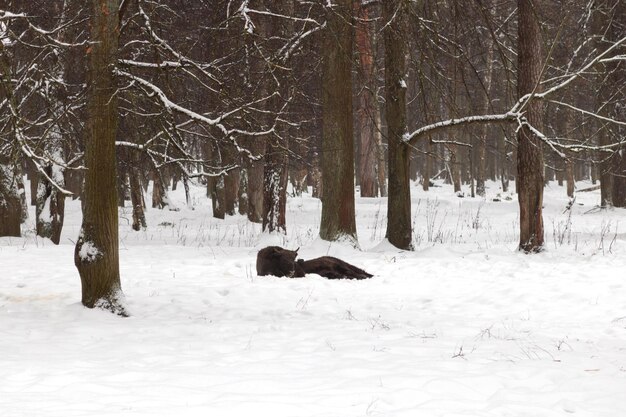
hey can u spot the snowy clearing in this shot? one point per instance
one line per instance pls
(463, 326)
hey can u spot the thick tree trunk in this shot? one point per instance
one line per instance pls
(367, 107)
(338, 216)
(275, 173)
(530, 149)
(399, 231)
(97, 250)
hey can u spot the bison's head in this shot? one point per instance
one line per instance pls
(274, 260)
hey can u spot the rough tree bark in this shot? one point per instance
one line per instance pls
(275, 172)
(97, 250)
(275, 187)
(530, 165)
(399, 201)
(617, 79)
(10, 204)
(338, 216)
(367, 107)
(242, 192)
(136, 193)
(481, 172)
(50, 203)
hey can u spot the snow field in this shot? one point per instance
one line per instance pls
(463, 326)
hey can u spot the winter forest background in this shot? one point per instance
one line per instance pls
(469, 154)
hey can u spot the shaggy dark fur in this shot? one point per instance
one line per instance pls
(332, 268)
(277, 261)
(280, 262)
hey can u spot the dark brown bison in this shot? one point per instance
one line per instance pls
(280, 262)
(274, 260)
(333, 268)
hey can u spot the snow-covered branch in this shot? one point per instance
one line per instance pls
(516, 113)
(462, 121)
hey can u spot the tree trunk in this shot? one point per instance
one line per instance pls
(242, 192)
(367, 107)
(315, 176)
(255, 184)
(10, 202)
(617, 80)
(275, 188)
(21, 191)
(10, 205)
(159, 194)
(338, 216)
(50, 208)
(231, 191)
(216, 186)
(399, 201)
(481, 171)
(454, 167)
(381, 172)
(136, 195)
(530, 149)
(426, 169)
(619, 181)
(503, 150)
(569, 171)
(275, 173)
(97, 250)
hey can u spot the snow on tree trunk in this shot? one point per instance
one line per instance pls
(50, 202)
(10, 205)
(275, 189)
(136, 195)
(242, 192)
(97, 249)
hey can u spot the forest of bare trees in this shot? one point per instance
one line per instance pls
(255, 99)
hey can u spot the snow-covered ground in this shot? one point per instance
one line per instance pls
(463, 326)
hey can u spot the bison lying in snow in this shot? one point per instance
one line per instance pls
(277, 261)
(274, 260)
(332, 268)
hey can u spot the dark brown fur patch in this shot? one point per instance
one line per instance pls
(274, 260)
